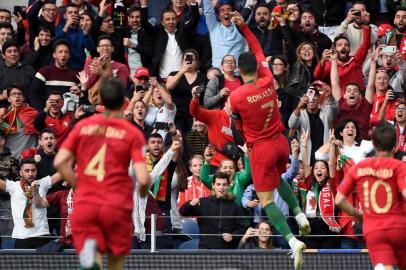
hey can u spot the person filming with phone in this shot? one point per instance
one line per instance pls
(315, 116)
(259, 237)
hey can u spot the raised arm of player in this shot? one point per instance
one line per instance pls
(253, 44)
(64, 164)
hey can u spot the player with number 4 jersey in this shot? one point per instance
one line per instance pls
(103, 146)
(380, 184)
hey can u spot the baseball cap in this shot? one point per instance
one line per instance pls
(141, 72)
(383, 29)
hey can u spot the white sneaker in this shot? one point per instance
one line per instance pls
(304, 225)
(87, 257)
(297, 254)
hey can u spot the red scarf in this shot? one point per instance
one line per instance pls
(25, 114)
(27, 215)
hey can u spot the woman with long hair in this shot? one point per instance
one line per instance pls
(321, 189)
(259, 237)
(280, 71)
(301, 75)
(180, 85)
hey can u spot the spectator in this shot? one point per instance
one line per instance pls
(52, 117)
(400, 124)
(78, 41)
(219, 128)
(9, 171)
(138, 113)
(309, 33)
(224, 36)
(219, 204)
(30, 222)
(103, 67)
(41, 54)
(5, 16)
(84, 7)
(352, 105)
(103, 25)
(13, 72)
(140, 46)
(161, 109)
(328, 13)
(18, 122)
(396, 68)
(140, 81)
(396, 36)
(171, 39)
(86, 22)
(294, 10)
(57, 77)
(384, 100)
(301, 75)
(349, 68)
(308, 116)
(237, 181)
(41, 14)
(180, 83)
(280, 71)
(321, 191)
(351, 27)
(259, 237)
(6, 33)
(220, 86)
(250, 201)
(195, 187)
(197, 138)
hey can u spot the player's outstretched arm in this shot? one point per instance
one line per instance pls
(253, 44)
(64, 164)
(143, 178)
(342, 202)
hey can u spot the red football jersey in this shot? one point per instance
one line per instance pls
(104, 147)
(379, 183)
(256, 103)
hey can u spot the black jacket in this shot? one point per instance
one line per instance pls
(327, 12)
(145, 47)
(182, 35)
(212, 206)
(319, 40)
(300, 78)
(36, 21)
(40, 58)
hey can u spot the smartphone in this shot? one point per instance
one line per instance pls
(89, 108)
(20, 10)
(189, 58)
(310, 93)
(389, 49)
(357, 13)
(139, 88)
(398, 95)
(161, 126)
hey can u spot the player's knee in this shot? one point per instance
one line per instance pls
(265, 198)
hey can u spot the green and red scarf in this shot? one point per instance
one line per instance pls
(27, 215)
(160, 186)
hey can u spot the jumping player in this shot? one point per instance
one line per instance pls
(103, 146)
(255, 108)
(380, 184)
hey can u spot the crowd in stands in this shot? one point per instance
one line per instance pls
(338, 68)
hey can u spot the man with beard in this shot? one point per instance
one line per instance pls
(41, 54)
(57, 77)
(224, 36)
(30, 222)
(13, 71)
(349, 67)
(45, 18)
(77, 40)
(351, 27)
(171, 38)
(352, 105)
(139, 45)
(395, 66)
(397, 36)
(52, 117)
(309, 32)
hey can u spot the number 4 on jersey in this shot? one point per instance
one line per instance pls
(96, 164)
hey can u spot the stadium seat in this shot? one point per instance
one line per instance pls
(191, 244)
(190, 228)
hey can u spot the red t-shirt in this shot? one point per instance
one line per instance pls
(390, 109)
(193, 191)
(379, 183)
(103, 147)
(232, 85)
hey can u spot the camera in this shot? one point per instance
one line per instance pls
(161, 126)
(189, 58)
(89, 108)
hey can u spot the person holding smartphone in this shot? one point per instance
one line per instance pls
(259, 237)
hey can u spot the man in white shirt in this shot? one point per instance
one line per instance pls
(30, 222)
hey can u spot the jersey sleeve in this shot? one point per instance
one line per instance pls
(11, 186)
(71, 143)
(138, 147)
(401, 177)
(347, 185)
